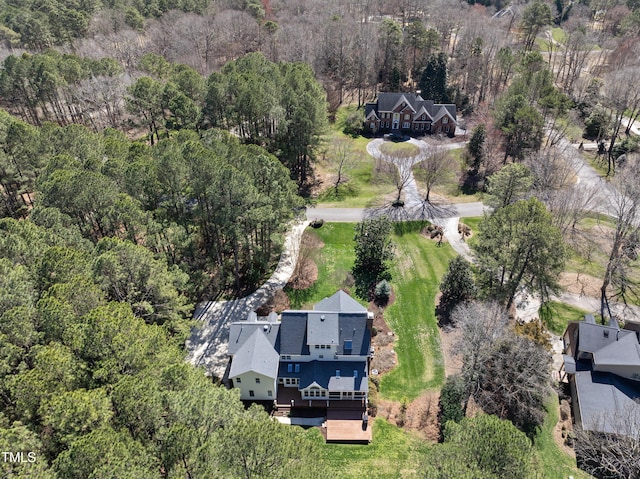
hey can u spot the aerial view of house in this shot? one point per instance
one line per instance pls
(409, 113)
(236, 234)
(309, 359)
(603, 366)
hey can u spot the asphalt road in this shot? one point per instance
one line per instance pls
(353, 215)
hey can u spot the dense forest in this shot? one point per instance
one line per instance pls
(153, 153)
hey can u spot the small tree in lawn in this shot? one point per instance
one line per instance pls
(457, 286)
(373, 251)
(382, 292)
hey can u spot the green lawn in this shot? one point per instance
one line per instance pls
(558, 34)
(402, 149)
(364, 188)
(334, 262)
(417, 270)
(556, 316)
(552, 461)
(393, 453)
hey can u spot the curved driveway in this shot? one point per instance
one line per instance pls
(415, 208)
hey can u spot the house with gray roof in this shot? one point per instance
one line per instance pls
(602, 363)
(308, 358)
(409, 114)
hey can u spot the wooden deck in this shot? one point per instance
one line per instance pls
(346, 425)
(348, 430)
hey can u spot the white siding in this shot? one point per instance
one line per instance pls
(260, 390)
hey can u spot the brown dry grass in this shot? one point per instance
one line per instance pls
(582, 284)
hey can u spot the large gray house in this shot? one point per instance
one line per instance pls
(311, 358)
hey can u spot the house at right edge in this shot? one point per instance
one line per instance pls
(602, 363)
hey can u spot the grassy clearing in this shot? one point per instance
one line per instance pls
(597, 162)
(364, 188)
(558, 35)
(334, 261)
(393, 453)
(451, 188)
(552, 461)
(556, 316)
(401, 150)
(417, 270)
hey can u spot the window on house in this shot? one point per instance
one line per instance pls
(422, 126)
(257, 380)
(445, 120)
(337, 373)
(297, 368)
(252, 394)
(447, 129)
(386, 125)
(423, 117)
(317, 346)
(289, 368)
(405, 124)
(270, 393)
(406, 117)
(321, 356)
(238, 380)
(372, 125)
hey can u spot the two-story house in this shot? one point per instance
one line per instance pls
(602, 363)
(410, 114)
(310, 358)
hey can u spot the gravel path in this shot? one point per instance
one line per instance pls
(208, 344)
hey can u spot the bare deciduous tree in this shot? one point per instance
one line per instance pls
(507, 374)
(436, 167)
(342, 159)
(611, 455)
(624, 242)
(398, 168)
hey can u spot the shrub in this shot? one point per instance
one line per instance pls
(452, 397)
(382, 292)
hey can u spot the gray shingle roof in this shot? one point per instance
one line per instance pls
(340, 302)
(255, 354)
(293, 333)
(240, 331)
(387, 101)
(353, 328)
(607, 403)
(322, 328)
(324, 374)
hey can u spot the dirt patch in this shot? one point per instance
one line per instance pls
(420, 415)
(581, 284)
(564, 428)
(449, 337)
(384, 358)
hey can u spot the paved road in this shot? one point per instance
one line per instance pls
(434, 211)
